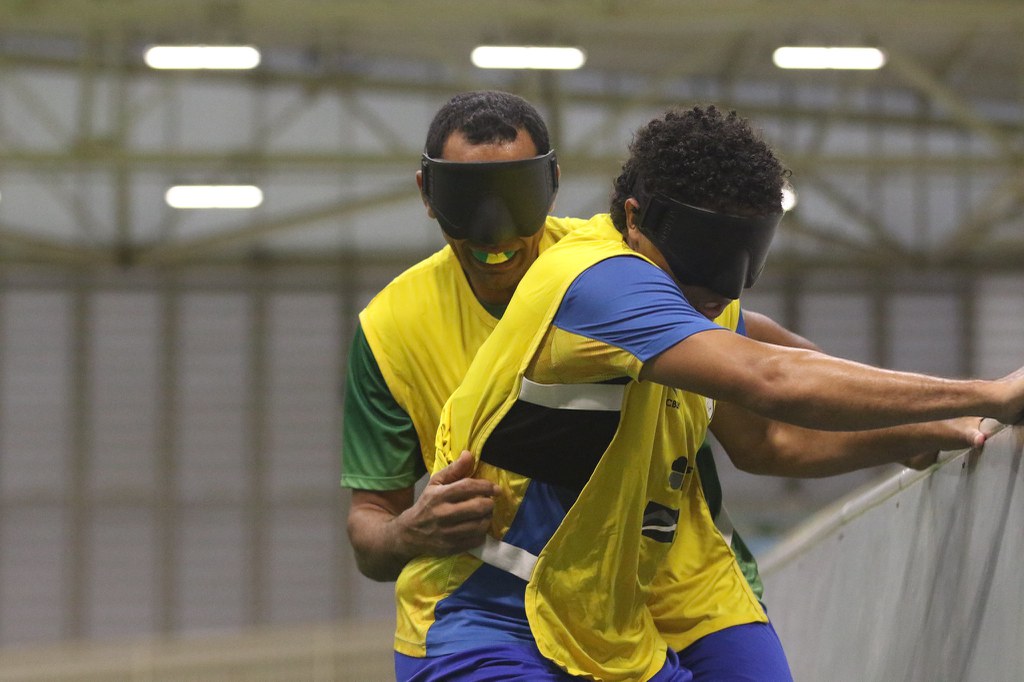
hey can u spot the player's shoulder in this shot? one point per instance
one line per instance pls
(557, 228)
(415, 291)
(441, 261)
(438, 266)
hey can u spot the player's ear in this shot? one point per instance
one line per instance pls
(632, 208)
(423, 197)
(558, 175)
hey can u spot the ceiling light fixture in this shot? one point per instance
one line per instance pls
(202, 57)
(856, 58)
(214, 196)
(527, 57)
(789, 199)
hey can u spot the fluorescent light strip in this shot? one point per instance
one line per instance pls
(202, 57)
(527, 57)
(789, 199)
(855, 58)
(214, 196)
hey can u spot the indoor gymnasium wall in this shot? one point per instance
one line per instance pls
(916, 578)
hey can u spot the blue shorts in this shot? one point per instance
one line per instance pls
(503, 662)
(742, 653)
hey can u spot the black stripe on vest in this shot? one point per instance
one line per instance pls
(561, 447)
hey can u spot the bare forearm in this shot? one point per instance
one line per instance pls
(764, 446)
(376, 529)
(817, 391)
(764, 329)
(387, 528)
(376, 540)
(805, 453)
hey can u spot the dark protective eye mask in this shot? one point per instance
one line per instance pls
(490, 202)
(721, 252)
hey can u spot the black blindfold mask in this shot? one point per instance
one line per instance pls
(490, 202)
(723, 253)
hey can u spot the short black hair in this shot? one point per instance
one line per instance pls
(486, 116)
(704, 158)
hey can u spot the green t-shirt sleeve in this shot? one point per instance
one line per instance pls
(379, 446)
(712, 488)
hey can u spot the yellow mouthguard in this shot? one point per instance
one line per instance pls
(493, 258)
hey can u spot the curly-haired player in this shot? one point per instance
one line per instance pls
(701, 155)
(587, 403)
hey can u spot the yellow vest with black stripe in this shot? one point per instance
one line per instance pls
(586, 597)
(424, 329)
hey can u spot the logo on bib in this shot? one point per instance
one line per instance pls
(680, 468)
(709, 404)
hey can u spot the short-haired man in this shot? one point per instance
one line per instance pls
(416, 339)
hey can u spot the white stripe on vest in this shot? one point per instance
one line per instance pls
(510, 558)
(598, 397)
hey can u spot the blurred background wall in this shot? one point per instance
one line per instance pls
(170, 379)
(913, 579)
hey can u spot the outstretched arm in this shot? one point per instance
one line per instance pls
(387, 528)
(802, 455)
(764, 446)
(817, 391)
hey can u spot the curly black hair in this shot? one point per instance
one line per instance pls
(704, 158)
(485, 116)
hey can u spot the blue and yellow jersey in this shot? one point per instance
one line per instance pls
(423, 330)
(596, 469)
